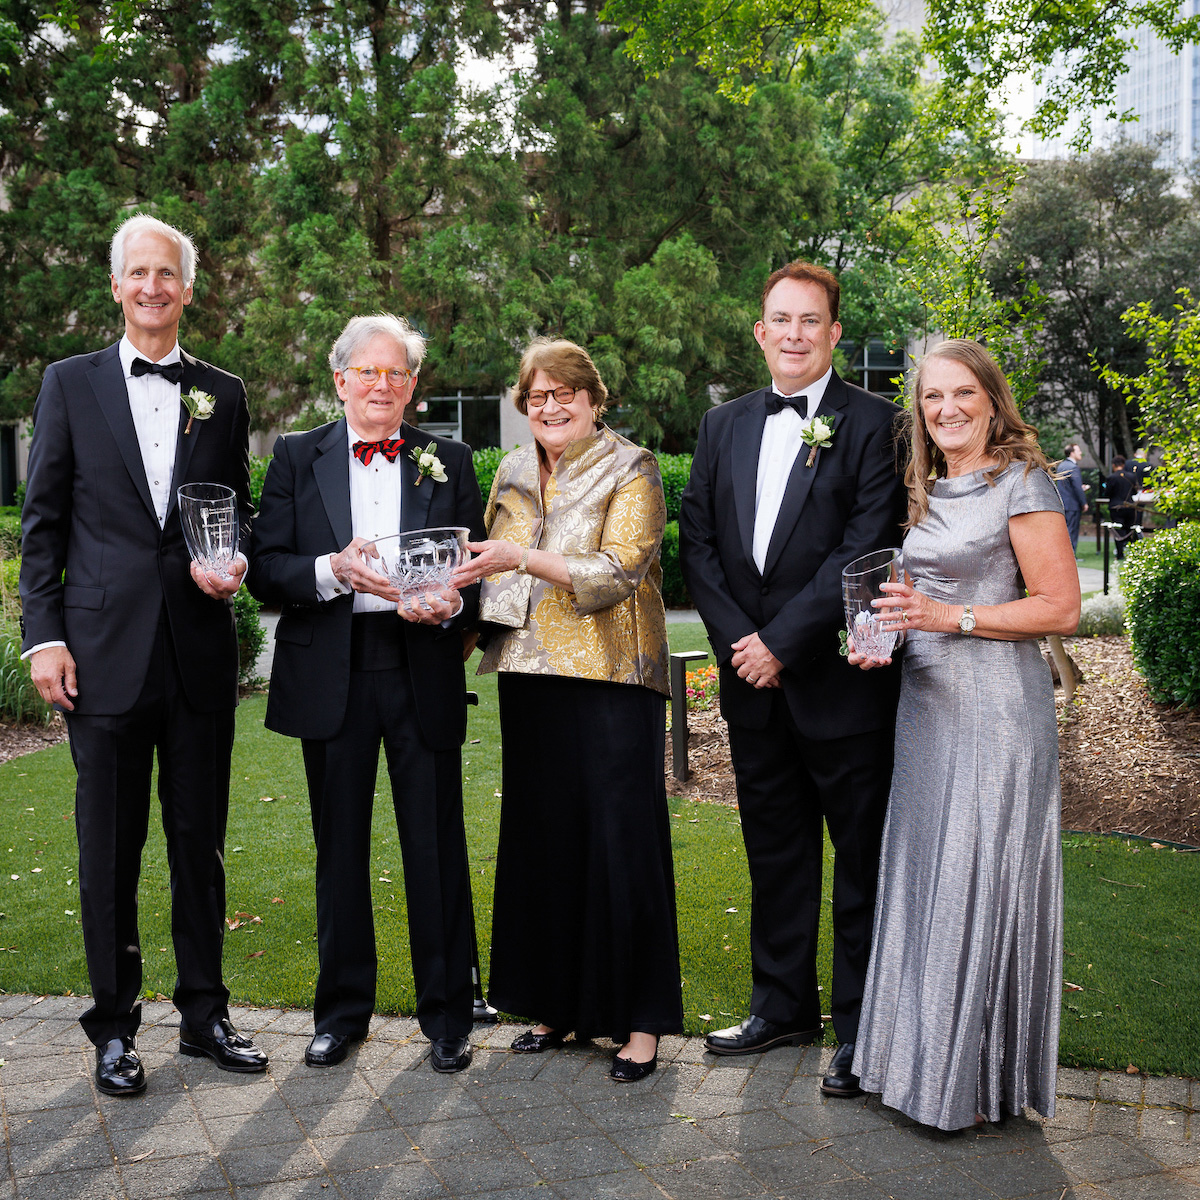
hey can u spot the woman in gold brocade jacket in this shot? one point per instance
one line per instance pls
(583, 935)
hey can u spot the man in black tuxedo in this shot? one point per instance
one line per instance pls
(1119, 488)
(768, 521)
(136, 644)
(349, 673)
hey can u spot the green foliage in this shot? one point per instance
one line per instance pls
(487, 462)
(252, 637)
(675, 593)
(19, 699)
(1168, 394)
(258, 475)
(676, 469)
(1161, 586)
(10, 532)
(1102, 616)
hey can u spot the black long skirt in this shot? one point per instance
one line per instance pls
(583, 933)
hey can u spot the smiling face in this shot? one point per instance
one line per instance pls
(957, 413)
(797, 334)
(554, 426)
(151, 292)
(375, 412)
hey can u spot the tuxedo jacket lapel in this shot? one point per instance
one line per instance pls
(747, 442)
(415, 500)
(332, 471)
(193, 377)
(800, 481)
(108, 383)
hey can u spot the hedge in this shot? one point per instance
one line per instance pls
(1161, 586)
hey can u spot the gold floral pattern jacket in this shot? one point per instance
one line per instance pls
(604, 512)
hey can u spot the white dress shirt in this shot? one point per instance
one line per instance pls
(154, 404)
(776, 457)
(375, 492)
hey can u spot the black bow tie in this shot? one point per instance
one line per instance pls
(776, 402)
(171, 372)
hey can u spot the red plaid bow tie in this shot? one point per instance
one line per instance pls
(388, 447)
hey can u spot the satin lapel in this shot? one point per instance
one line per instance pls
(414, 500)
(747, 441)
(193, 376)
(331, 469)
(800, 481)
(108, 384)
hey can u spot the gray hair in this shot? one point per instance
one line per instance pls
(360, 330)
(141, 223)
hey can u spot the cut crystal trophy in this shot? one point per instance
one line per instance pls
(208, 512)
(861, 581)
(418, 560)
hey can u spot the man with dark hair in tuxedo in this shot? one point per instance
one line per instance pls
(789, 484)
(136, 644)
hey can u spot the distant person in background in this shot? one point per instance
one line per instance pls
(1140, 468)
(1119, 487)
(1071, 491)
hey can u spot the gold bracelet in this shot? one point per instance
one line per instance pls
(523, 565)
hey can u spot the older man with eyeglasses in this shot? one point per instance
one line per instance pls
(353, 670)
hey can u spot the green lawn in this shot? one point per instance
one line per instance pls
(1130, 918)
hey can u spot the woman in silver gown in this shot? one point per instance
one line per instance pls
(961, 1011)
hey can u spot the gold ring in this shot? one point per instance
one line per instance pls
(904, 616)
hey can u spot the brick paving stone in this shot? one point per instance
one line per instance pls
(784, 1170)
(229, 1102)
(44, 1158)
(161, 1141)
(1171, 1153)
(53, 1125)
(712, 1179)
(353, 1116)
(289, 1189)
(1071, 1118)
(186, 1175)
(48, 1069)
(269, 1128)
(677, 1142)
(626, 1111)
(942, 1180)
(1102, 1157)
(249, 1165)
(1152, 1187)
(468, 1174)
(850, 1189)
(71, 1185)
(576, 1158)
(835, 1118)
(725, 1080)
(370, 1148)
(621, 1185)
(1126, 1089)
(1114, 1118)
(413, 1181)
(61, 1093)
(1168, 1091)
(698, 1106)
(465, 1135)
(1019, 1173)
(549, 1123)
(752, 1131)
(1081, 1085)
(882, 1150)
(505, 1096)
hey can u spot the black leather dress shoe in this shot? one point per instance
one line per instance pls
(838, 1079)
(328, 1049)
(118, 1068)
(755, 1034)
(225, 1046)
(451, 1054)
(531, 1042)
(625, 1070)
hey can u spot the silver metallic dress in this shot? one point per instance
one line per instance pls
(961, 1009)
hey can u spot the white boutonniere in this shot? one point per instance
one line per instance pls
(428, 464)
(200, 406)
(817, 434)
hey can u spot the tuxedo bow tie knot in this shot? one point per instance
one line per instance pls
(776, 402)
(171, 372)
(388, 447)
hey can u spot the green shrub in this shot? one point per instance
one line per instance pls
(19, 699)
(1161, 585)
(10, 532)
(1102, 616)
(10, 595)
(252, 637)
(675, 470)
(486, 461)
(258, 473)
(675, 594)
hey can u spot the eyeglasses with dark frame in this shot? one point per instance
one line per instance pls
(564, 395)
(369, 375)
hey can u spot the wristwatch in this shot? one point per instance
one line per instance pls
(966, 623)
(523, 565)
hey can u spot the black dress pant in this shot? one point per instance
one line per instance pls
(786, 784)
(113, 759)
(427, 795)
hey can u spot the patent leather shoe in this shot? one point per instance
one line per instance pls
(625, 1070)
(839, 1081)
(755, 1034)
(230, 1050)
(327, 1049)
(531, 1042)
(118, 1068)
(451, 1054)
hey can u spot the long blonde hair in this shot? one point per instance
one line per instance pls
(1010, 439)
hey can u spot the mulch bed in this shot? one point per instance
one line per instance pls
(1128, 765)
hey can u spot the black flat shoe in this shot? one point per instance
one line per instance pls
(838, 1079)
(328, 1049)
(534, 1043)
(118, 1068)
(625, 1070)
(225, 1046)
(755, 1034)
(450, 1055)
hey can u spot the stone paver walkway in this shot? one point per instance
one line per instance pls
(382, 1124)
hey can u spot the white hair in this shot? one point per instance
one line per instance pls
(360, 330)
(141, 223)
